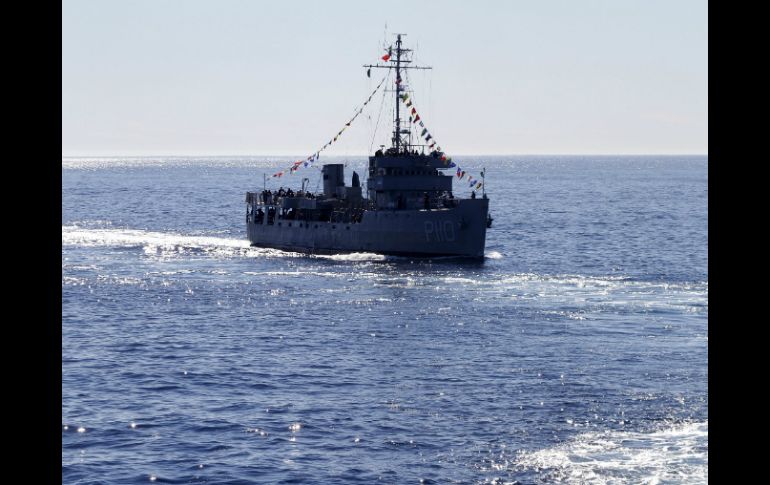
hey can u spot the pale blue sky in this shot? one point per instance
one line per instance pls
(238, 77)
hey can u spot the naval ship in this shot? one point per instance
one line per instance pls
(408, 208)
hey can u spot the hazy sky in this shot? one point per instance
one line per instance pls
(240, 77)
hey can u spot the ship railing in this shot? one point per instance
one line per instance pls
(446, 202)
(352, 215)
(261, 198)
(440, 202)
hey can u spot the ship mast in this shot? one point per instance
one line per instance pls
(397, 131)
(399, 64)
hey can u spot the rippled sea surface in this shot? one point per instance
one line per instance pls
(576, 352)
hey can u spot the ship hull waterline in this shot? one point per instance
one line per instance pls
(459, 231)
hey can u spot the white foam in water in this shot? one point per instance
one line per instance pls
(164, 243)
(169, 243)
(355, 257)
(677, 454)
(75, 235)
(612, 293)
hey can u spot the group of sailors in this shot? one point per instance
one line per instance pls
(272, 214)
(268, 197)
(349, 216)
(393, 152)
(259, 215)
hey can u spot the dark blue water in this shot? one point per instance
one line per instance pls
(575, 353)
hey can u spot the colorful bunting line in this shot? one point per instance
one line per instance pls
(425, 134)
(315, 156)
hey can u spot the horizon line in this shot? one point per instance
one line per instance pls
(363, 155)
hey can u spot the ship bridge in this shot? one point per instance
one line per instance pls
(407, 181)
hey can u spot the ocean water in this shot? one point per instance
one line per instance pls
(576, 352)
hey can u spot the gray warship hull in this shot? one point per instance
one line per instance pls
(456, 231)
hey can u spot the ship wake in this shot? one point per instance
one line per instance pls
(675, 454)
(167, 244)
